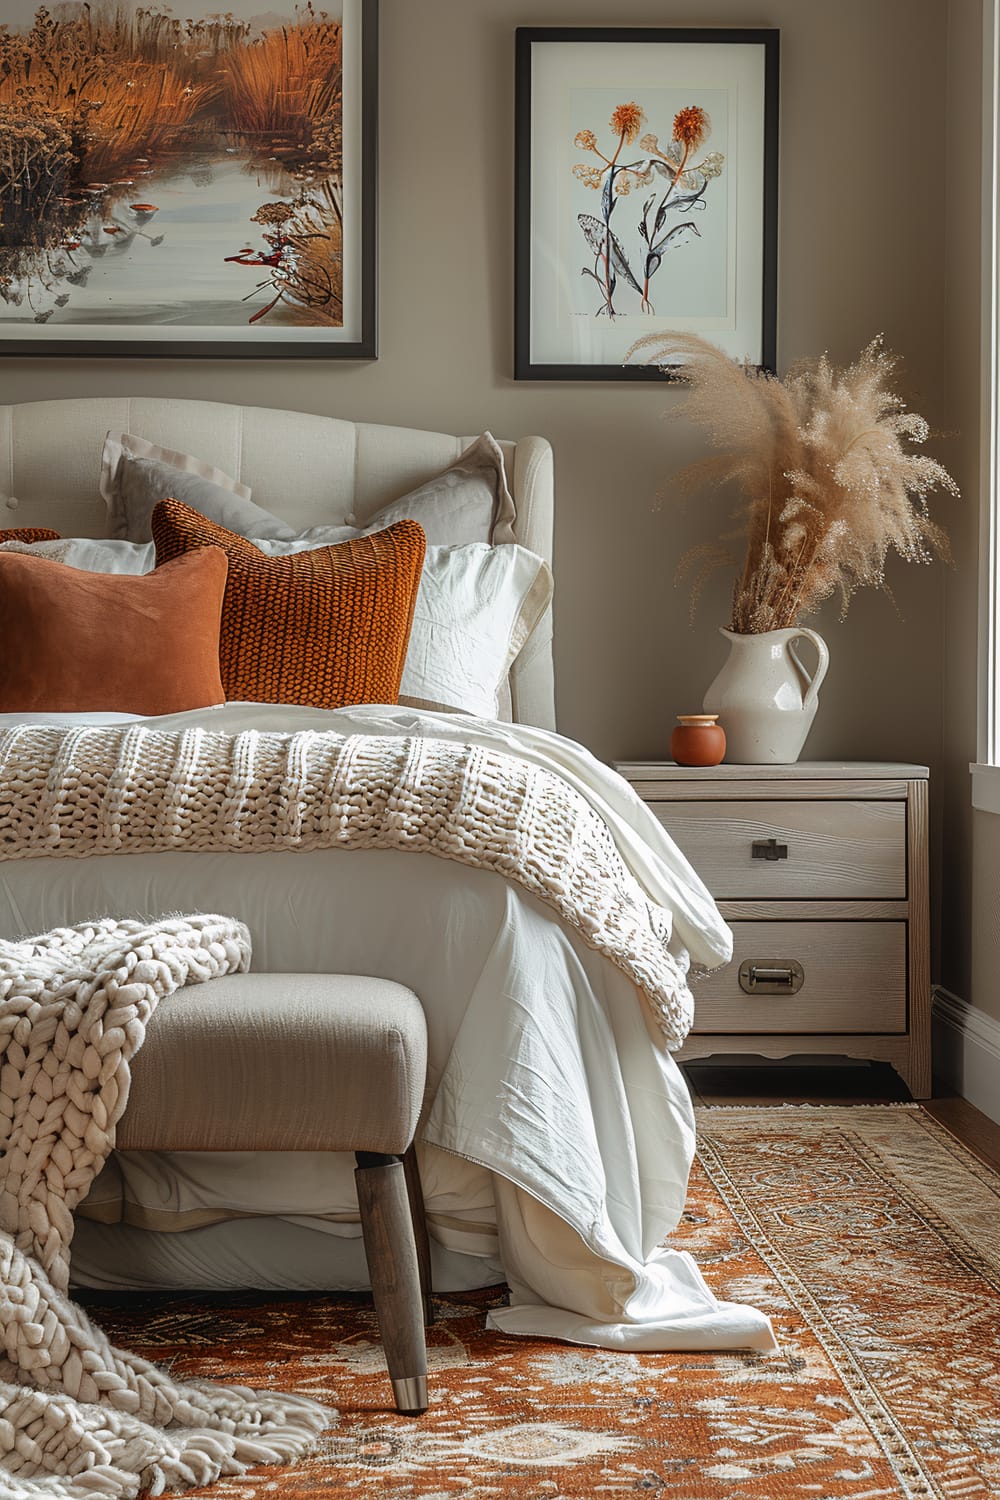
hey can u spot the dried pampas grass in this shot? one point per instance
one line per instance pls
(828, 484)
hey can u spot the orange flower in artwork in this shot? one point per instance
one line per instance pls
(626, 120)
(691, 125)
(649, 233)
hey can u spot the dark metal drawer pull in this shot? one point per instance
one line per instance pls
(782, 976)
(768, 849)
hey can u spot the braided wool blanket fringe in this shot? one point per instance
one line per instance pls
(80, 792)
(78, 1417)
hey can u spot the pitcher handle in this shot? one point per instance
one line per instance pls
(812, 691)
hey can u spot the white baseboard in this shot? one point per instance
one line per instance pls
(967, 1051)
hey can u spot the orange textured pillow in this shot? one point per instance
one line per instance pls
(29, 534)
(76, 642)
(325, 627)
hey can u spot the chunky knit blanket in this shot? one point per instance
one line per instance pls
(79, 792)
(78, 1417)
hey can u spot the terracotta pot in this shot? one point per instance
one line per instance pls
(766, 696)
(698, 740)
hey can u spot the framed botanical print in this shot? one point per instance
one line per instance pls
(184, 187)
(646, 195)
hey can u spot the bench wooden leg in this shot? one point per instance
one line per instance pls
(415, 1193)
(387, 1227)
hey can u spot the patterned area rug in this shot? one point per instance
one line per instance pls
(870, 1236)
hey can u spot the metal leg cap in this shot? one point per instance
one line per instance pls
(411, 1395)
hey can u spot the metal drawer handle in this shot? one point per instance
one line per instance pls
(783, 976)
(768, 849)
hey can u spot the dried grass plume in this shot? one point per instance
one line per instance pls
(827, 482)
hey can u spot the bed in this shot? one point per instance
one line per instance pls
(557, 1133)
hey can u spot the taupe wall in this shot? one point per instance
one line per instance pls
(861, 251)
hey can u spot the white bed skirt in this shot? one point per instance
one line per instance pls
(261, 1254)
(268, 1220)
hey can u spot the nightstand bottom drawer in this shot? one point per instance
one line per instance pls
(807, 977)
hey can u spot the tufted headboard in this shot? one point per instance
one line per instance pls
(306, 469)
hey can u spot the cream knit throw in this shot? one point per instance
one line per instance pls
(79, 1418)
(131, 790)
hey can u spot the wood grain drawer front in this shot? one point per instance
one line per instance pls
(820, 849)
(854, 980)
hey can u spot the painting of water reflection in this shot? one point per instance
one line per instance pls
(187, 182)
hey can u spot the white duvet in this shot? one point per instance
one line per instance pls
(546, 1066)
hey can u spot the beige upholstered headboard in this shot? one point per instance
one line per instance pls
(306, 469)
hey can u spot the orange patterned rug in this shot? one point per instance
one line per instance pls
(870, 1236)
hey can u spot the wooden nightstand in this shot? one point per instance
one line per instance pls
(821, 870)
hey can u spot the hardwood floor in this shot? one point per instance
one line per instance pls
(973, 1128)
(714, 1082)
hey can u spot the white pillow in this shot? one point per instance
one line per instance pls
(476, 607)
(108, 555)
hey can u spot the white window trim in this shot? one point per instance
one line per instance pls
(985, 787)
(986, 770)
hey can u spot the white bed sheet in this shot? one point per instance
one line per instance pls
(546, 1066)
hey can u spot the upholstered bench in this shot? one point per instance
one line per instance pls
(305, 1062)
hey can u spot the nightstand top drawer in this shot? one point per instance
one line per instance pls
(820, 770)
(792, 850)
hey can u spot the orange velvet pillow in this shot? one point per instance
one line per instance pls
(76, 642)
(325, 627)
(29, 534)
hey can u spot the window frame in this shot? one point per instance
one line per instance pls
(986, 769)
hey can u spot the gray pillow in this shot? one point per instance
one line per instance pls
(467, 502)
(136, 474)
(142, 482)
(470, 501)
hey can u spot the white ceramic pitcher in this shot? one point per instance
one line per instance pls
(765, 698)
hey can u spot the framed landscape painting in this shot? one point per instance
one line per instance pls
(646, 195)
(198, 183)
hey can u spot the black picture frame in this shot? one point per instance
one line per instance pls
(356, 338)
(553, 338)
